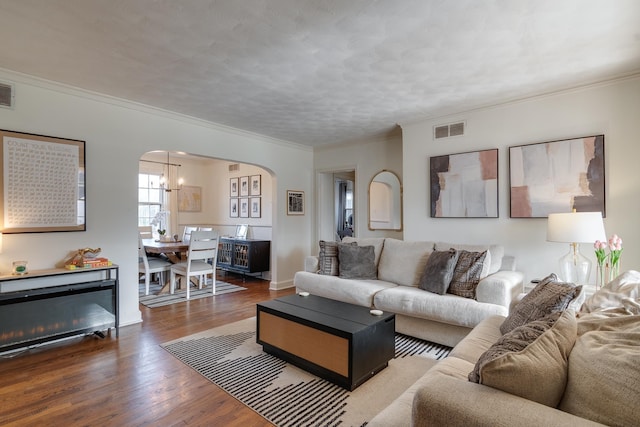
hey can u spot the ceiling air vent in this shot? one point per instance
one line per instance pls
(6, 95)
(449, 130)
(234, 167)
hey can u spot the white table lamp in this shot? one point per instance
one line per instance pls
(575, 228)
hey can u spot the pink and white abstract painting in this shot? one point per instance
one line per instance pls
(464, 185)
(557, 176)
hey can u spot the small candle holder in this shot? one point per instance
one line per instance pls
(19, 268)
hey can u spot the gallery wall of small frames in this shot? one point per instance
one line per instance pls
(245, 197)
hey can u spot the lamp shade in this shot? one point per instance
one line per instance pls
(575, 227)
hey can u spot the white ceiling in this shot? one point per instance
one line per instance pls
(320, 71)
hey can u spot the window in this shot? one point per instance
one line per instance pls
(150, 197)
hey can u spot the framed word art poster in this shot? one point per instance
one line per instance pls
(43, 183)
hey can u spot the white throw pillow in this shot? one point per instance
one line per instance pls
(403, 262)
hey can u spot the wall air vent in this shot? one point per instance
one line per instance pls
(6, 95)
(449, 130)
(234, 167)
(441, 131)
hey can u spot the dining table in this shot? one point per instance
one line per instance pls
(174, 250)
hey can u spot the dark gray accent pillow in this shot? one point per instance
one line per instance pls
(328, 258)
(438, 272)
(467, 274)
(356, 262)
(549, 296)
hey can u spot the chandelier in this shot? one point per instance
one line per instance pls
(165, 182)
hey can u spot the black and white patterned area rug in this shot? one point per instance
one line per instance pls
(288, 396)
(153, 301)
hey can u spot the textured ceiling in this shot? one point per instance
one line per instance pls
(317, 71)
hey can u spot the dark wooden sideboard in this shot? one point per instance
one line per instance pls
(245, 256)
(46, 305)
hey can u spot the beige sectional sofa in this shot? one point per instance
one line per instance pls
(444, 319)
(595, 378)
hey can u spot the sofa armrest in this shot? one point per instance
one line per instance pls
(445, 400)
(311, 264)
(500, 287)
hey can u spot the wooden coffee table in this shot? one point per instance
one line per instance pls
(340, 342)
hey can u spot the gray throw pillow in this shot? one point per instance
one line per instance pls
(549, 296)
(467, 273)
(356, 262)
(438, 272)
(328, 258)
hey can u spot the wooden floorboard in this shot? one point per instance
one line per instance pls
(130, 381)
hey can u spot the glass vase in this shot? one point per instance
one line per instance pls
(614, 271)
(600, 276)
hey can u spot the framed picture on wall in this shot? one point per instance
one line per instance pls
(43, 183)
(557, 177)
(190, 199)
(233, 187)
(464, 185)
(244, 186)
(255, 207)
(244, 207)
(233, 208)
(255, 185)
(295, 202)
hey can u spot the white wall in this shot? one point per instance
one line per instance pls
(612, 109)
(117, 134)
(367, 158)
(212, 176)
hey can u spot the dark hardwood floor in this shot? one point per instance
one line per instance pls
(130, 381)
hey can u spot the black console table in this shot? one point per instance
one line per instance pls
(47, 305)
(244, 255)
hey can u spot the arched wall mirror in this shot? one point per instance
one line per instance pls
(385, 202)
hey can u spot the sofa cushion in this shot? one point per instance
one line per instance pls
(483, 336)
(447, 308)
(604, 379)
(356, 262)
(495, 253)
(353, 291)
(376, 242)
(403, 262)
(531, 360)
(467, 274)
(549, 296)
(438, 273)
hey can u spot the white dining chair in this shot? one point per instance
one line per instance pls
(186, 233)
(146, 231)
(203, 247)
(149, 266)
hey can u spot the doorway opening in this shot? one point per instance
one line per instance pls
(344, 205)
(337, 204)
